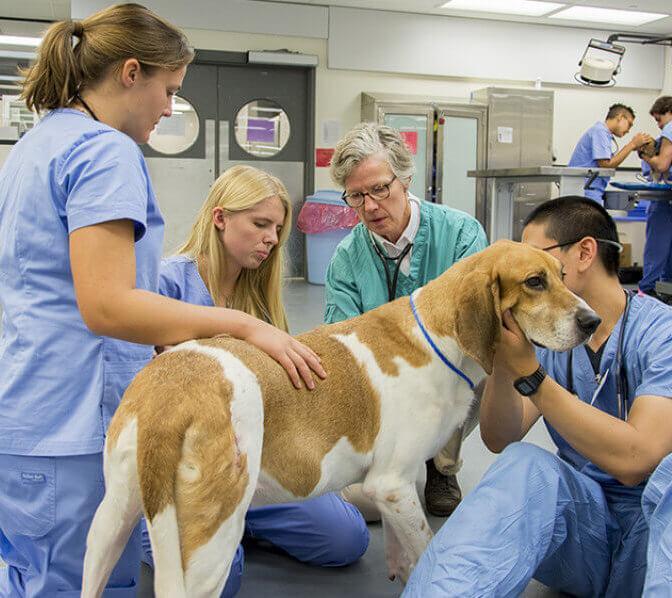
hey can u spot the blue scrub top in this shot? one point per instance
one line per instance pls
(646, 170)
(647, 359)
(666, 133)
(60, 382)
(355, 281)
(179, 279)
(595, 144)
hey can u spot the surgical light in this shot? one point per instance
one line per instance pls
(601, 60)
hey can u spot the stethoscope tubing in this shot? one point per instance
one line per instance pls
(391, 284)
(621, 375)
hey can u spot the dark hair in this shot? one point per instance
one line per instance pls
(103, 40)
(574, 217)
(618, 109)
(662, 105)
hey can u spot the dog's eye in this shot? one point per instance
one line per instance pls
(535, 282)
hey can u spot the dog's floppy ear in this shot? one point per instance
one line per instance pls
(478, 316)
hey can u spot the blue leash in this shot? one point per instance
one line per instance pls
(442, 357)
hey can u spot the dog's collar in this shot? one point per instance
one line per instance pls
(432, 344)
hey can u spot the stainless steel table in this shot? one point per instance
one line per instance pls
(498, 213)
(626, 199)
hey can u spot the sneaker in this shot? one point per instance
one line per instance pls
(442, 492)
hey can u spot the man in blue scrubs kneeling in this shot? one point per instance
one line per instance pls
(580, 521)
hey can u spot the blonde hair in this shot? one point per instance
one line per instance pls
(105, 39)
(258, 292)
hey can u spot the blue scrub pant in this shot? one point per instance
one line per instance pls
(533, 515)
(46, 508)
(325, 531)
(658, 245)
(595, 195)
(657, 507)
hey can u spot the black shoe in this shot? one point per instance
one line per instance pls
(442, 492)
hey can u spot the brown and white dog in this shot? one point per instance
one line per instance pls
(211, 424)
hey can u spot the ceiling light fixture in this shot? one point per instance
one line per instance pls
(607, 15)
(17, 40)
(528, 8)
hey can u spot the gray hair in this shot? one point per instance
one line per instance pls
(368, 139)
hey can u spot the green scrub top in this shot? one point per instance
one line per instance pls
(355, 281)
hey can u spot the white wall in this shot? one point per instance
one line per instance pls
(338, 92)
(230, 15)
(475, 48)
(667, 81)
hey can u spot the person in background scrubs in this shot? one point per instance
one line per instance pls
(594, 149)
(233, 258)
(658, 244)
(579, 520)
(79, 268)
(400, 244)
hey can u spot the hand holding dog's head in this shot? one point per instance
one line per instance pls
(528, 282)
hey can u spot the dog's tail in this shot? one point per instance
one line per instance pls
(158, 478)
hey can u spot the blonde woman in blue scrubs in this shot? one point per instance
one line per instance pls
(79, 265)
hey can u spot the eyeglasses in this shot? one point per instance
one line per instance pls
(378, 193)
(566, 243)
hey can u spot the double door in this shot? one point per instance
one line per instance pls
(229, 112)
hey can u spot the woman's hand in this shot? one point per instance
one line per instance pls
(292, 355)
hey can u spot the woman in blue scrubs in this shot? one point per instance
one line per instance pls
(658, 244)
(580, 521)
(79, 267)
(233, 258)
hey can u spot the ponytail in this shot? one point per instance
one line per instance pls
(53, 80)
(77, 54)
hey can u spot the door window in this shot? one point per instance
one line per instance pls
(177, 133)
(262, 128)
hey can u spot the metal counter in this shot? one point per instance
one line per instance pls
(498, 216)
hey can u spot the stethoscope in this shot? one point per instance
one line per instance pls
(391, 283)
(621, 374)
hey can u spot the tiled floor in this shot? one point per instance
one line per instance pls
(270, 572)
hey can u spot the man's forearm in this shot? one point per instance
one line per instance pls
(618, 158)
(502, 413)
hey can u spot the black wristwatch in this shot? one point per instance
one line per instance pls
(528, 385)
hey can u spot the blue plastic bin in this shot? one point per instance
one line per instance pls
(321, 246)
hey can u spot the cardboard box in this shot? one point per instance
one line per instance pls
(625, 260)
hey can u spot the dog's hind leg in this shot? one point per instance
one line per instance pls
(209, 565)
(117, 514)
(213, 496)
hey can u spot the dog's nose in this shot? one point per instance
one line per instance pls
(587, 321)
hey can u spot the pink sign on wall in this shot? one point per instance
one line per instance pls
(411, 140)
